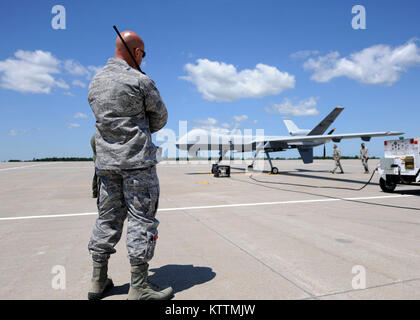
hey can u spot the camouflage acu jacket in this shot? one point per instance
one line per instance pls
(128, 109)
(336, 154)
(364, 153)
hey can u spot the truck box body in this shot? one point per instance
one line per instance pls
(401, 164)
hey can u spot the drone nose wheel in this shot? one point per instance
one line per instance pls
(274, 170)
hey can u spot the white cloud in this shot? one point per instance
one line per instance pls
(79, 83)
(77, 69)
(73, 125)
(379, 64)
(36, 72)
(218, 81)
(31, 71)
(303, 54)
(206, 123)
(95, 69)
(239, 119)
(14, 132)
(211, 124)
(305, 107)
(80, 115)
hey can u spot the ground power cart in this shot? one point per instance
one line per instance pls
(401, 164)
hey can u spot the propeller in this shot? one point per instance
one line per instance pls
(325, 149)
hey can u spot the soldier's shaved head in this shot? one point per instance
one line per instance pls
(134, 43)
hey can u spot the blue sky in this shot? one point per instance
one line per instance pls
(312, 61)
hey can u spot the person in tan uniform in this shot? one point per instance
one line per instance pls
(337, 158)
(364, 156)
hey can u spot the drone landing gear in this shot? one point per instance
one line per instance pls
(274, 170)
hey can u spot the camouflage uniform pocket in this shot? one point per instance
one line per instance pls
(145, 200)
(151, 244)
(154, 197)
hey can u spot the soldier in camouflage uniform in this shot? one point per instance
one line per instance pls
(337, 158)
(364, 156)
(128, 109)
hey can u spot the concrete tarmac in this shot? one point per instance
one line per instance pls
(302, 234)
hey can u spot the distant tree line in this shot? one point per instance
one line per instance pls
(63, 159)
(166, 159)
(273, 158)
(54, 159)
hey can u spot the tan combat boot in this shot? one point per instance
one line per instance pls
(142, 289)
(100, 281)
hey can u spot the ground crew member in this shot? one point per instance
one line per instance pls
(128, 109)
(364, 156)
(95, 178)
(337, 158)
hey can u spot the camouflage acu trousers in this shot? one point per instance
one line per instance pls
(337, 166)
(131, 194)
(365, 164)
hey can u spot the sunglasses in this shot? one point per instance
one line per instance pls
(144, 52)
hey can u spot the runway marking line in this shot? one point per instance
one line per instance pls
(24, 167)
(215, 206)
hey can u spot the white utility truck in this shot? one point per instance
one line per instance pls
(401, 164)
